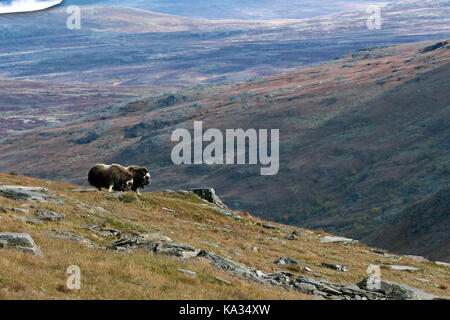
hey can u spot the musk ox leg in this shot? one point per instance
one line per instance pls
(110, 188)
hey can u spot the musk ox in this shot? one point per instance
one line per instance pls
(111, 177)
(141, 177)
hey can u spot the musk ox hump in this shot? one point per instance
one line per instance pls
(111, 177)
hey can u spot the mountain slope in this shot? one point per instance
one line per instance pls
(421, 229)
(93, 221)
(362, 138)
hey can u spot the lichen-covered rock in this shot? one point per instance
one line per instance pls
(331, 239)
(64, 235)
(19, 241)
(396, 291)
(209, 195)
(47, 215)
(283, 261)
(335, 266)
(36, 194)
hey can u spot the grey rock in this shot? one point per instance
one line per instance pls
(209, 195)
(35, 194)
(188, 272)
(155, 237)
(223, 280)
(384, 254)
(403, 268)
(266, 226)
(335, 266)
(65, 235)
(444, 264)
(286, 261)
(180, 250)
(417, 258)
(19, 241)
(331, 239)
(27, 220)
(226, 213)
(47, 215)
(396, 291)
(234, 268)
(20, 210)
(298, 233)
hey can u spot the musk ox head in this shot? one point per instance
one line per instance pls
(141, 177)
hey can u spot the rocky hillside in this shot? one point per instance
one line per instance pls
(175, 245)
(423, 228)
(362, 138)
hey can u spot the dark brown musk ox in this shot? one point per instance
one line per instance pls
(141, 177)
(111, 177)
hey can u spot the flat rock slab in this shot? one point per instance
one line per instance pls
(226, 213)
(36, 194)
(331, 239)
(403, 268)
(19, 241)
(65, 235)
(444, 264)
(27, 220)
(334, 266)
(47, 215)
(188, 272)
(283, 261)
(20, 210)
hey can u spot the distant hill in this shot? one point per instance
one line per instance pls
(421, 229)
(239, 9)
(130, 47)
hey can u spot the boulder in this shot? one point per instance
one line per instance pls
(396, 291)
(20, 210)
(332, 239)
(209, 195)
(334, 266)
(35, 194)
(19, 241)
(64, 235)
(27, 220)
(286, 261)
(47, 215)
(266, 226)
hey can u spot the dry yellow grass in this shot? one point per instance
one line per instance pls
(109, 274)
